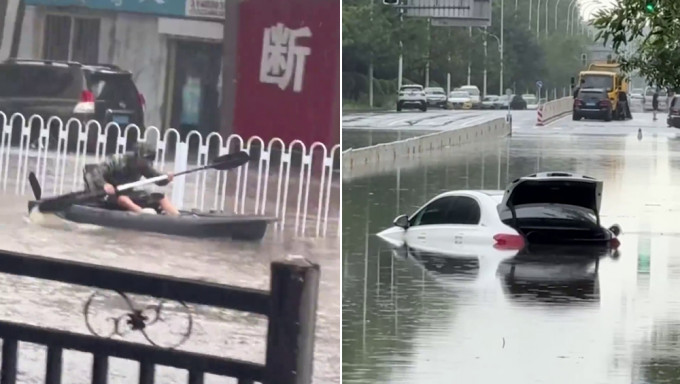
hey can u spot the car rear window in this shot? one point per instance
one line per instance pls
(411, 89)
(40, 81)
(113, 88)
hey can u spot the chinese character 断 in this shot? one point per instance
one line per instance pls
(282, 58)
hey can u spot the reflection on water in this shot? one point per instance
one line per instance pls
(540, 316)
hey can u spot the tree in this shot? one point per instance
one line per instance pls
(644, 36)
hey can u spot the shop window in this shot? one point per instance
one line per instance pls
(71, 38)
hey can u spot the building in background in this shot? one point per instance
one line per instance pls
(283, 78)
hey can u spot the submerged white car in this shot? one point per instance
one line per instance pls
(546, 208)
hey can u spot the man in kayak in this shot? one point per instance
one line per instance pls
(128, 168)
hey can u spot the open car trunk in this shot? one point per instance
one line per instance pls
(555, 208)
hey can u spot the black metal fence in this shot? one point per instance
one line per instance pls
(290, 306)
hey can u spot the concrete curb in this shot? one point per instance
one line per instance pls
(553, 110)
(386, 157)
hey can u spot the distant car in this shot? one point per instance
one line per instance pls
(488, 101)
(592, 103)
(502, 102)
(460, 100)
(673, 119)
(475, 95)
(436, 97)
(412, 96)
(532, 102)
(517, 102)
(105, 93)
(552, 208)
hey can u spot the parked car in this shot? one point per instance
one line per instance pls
(488, 102)
(557, 208)
(592, 103)
(517, 102)
(436, 97)
(532, 102)
(460, 100)
(475, 95)
(502, 102)
(673, 119)
(412, 96)
(104, 93)
(649, 95)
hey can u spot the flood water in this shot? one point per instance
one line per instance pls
(216, 332)
(417, 318)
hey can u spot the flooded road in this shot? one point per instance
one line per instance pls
(222, 333)
(410, 317)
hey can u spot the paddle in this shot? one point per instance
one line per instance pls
(59, 203)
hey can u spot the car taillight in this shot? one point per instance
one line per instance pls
(87, 97)
(605, 103)
(577, 103)
(85, 104)
(142, 101)
(508, 241)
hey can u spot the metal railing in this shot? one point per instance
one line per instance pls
(290, 307)
(282, 176)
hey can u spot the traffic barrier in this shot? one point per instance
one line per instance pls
(260, 187)
(553, 110)
(384, 157)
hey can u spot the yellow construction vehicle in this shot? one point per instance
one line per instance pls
(608, 76)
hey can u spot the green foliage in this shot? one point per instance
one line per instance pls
(372, 31)
(646, 42)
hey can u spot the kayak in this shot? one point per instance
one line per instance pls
(191, 224)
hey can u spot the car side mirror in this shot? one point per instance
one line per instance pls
(401, 221)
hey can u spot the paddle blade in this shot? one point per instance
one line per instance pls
(60, 203)
(35, 185)
(230, 161)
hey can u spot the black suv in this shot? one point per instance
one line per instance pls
(68, 90)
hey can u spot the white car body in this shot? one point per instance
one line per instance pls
(532, 102)
(412, 96)
(489, 230)
(475, 95)
(459, 97)
(489, 101)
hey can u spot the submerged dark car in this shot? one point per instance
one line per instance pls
(518, 103)
(592, 103)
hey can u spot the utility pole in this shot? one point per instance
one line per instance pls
(448, 69)
(469, 58)
(538, 19)
(486, 37)
(370, 67)
(500, 91)
(401, 48)
(429, 52)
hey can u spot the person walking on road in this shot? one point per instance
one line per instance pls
(655, 102)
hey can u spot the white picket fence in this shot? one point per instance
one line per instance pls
(267, 195)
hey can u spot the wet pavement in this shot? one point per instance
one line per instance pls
(552, 317)
(218, 332)
(365, 129)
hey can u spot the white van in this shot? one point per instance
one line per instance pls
(475, 95)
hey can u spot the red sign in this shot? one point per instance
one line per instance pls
(289, 70)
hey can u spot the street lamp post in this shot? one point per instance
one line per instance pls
(500, 51)
(556, 5)
(569, 8)
(547, 17)
(401, 49)
(500, 48)
(538, 19)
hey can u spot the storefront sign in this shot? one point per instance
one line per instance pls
(205, 8)
(177, 8)
(288, 70)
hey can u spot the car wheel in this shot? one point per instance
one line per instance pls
(398, 107)
(423, 107)
(575, 117)
(608, 116)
